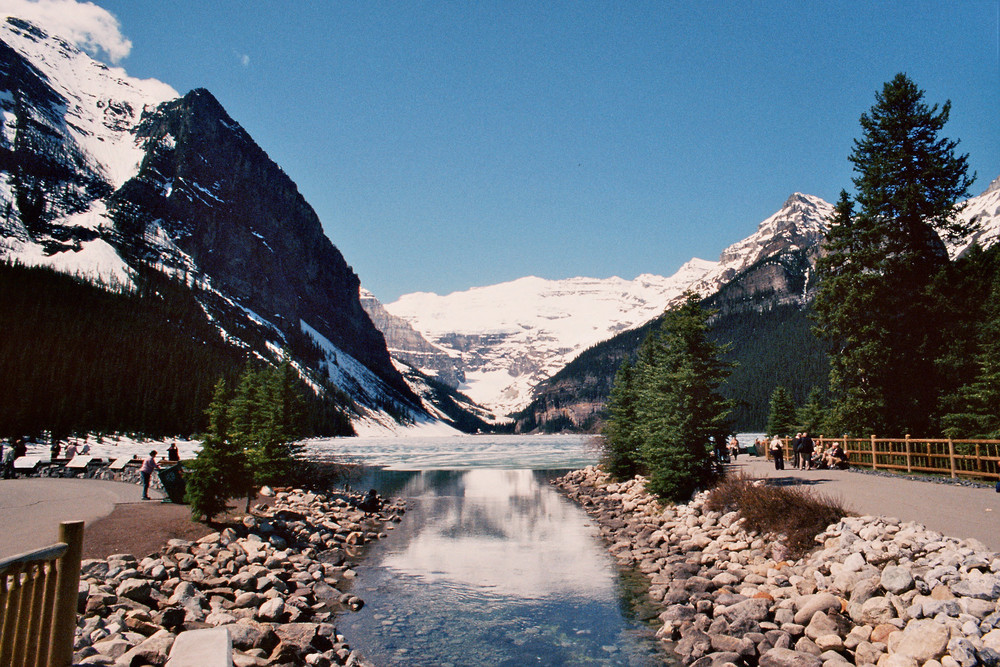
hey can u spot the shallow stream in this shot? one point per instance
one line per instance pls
(491, 566)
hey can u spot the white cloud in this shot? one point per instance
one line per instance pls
(244, 59)
(92, 28)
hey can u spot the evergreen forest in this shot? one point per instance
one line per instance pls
(82, 358)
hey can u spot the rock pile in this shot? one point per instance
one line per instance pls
(877, 591)
(274, 584)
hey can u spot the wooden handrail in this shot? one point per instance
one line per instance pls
(972, 458)
(38, 595)
(975, 458)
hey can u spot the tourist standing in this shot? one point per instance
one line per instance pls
(796, 455)
(806, 447)
(146, 471)
(778, 452)
(172, 453)
(7, 460)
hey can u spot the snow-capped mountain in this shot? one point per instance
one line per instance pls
(105, 176)
(800, 223)
(509, 337)
(512, 336)
(983, 213)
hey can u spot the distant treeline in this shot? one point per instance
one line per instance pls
(81, 358)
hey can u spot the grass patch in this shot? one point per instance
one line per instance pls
(795, 512)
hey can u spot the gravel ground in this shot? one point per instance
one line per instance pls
(140, 529)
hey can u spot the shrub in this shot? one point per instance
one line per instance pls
(793, 511)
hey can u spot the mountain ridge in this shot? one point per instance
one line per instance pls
(102, 175)
(510, 336)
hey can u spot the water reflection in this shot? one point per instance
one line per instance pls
(500, 530)
(493, 567)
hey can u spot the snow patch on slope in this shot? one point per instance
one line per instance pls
(513, 335)
(103, 104)
(369, 392)
(983, 213)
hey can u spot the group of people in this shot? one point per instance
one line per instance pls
(724, 453)
(807, 455)
(71, 450)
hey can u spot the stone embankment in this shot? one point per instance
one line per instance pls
(274, 583)
(876, 591)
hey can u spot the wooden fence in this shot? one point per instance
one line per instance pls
(973, 459)
(38, 600)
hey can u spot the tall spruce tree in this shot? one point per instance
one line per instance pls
(278, 423)
(221, 470)
(873, 305)
(621, 441)
(782, 418)
(811, 415)
(681, 412)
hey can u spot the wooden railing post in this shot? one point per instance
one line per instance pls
(951, 456)
(874, 454)
(909, 463)
(67, 591)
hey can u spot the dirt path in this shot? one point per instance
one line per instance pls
(957, 511)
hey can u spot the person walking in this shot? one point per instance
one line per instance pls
(778, 452)
(146, 471)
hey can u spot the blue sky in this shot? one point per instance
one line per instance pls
(449, 145)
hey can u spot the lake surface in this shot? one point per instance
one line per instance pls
(491, 566)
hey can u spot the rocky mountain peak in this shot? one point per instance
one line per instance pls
(102, 175)
(993, 187)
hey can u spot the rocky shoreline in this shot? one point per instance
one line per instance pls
(275, 583)
(876, 591)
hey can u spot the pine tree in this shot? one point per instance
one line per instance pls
(220, 471)
(972, 410)
(811, 415)
(874, 306)
(782, 418)
(279, 421)
(621, 442)
(681, 412)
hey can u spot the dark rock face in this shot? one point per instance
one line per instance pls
(409, 346)
(785, 278)
(244, 224)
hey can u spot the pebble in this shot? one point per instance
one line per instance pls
(272, 582)
(874, 591)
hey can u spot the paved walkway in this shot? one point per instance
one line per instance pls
(31, 508)
(957, 511)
